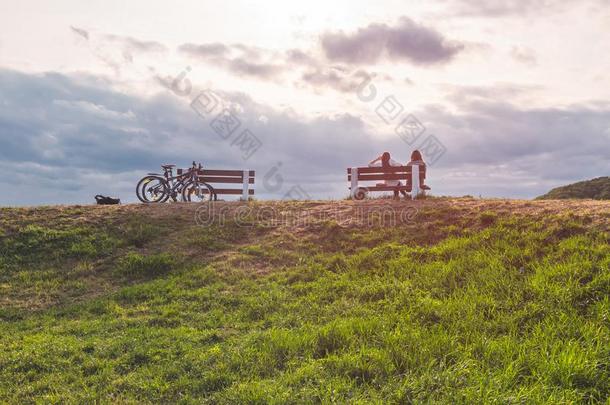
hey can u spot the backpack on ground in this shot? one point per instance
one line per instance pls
(102, 200)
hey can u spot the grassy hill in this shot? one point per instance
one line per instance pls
(597, 189)
(448, 300)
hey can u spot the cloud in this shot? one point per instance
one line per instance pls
(128, 43)
(407, 40)
(244, 60)
(205, 50)
(81, 32)
(239, 59)
(299, 57)
(523, 55)
(340, 78)
(503, 8)
(242, 66)
(66, 138)
(557, 144)
(335, 78)
(464, 96)
(78, 121)
(500, 7)
(304, 67)
(136, 45)
(116, 51)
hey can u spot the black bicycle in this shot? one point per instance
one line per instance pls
(193, 189)
(158, 188)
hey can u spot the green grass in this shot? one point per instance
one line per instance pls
(137, 265)
(514, 309)
(35, 244)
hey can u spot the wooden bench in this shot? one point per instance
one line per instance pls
(411, 178)
(223, 180)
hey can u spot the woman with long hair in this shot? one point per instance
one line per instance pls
(417, 159)
(385, 160)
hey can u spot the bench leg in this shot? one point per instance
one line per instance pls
(354, 189)
(246, 180)
(416, 187)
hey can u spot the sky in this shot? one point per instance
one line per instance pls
(504, 98)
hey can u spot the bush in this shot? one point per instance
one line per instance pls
(597, 189)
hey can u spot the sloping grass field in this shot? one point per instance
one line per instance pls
(440, 300)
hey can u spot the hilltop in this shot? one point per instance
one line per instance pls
(596, 189)
(450, 300)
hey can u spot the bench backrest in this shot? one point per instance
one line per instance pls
(381, 173)
(228, 179)
(413, 175)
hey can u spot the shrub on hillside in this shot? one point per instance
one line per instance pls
(597, 189)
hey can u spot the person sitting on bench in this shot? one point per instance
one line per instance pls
(385, 160)
(417, 159)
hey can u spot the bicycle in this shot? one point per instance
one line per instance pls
(157, 188)
(152, 188)
(195, 189)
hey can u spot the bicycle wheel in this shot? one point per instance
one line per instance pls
(152, 189)
(197, 191)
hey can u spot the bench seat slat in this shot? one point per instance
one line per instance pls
(385, 188)
(232, 191)
(387, 176)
